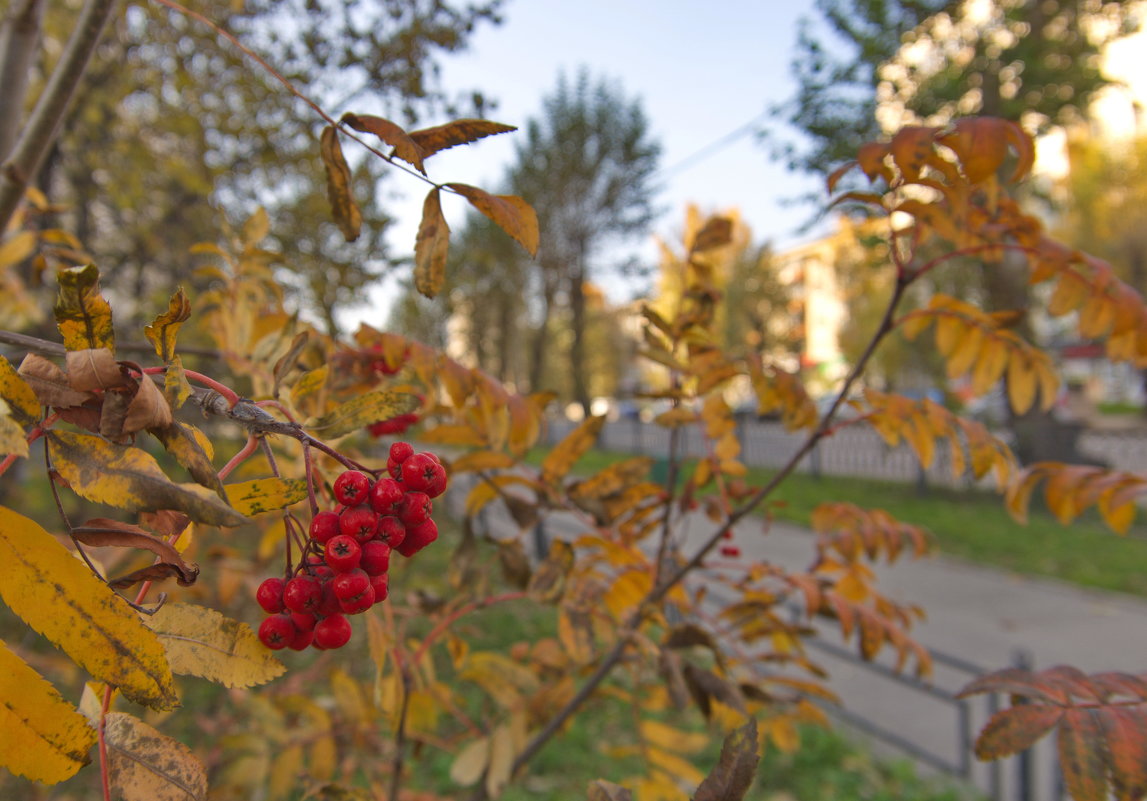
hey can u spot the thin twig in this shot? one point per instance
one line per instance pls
(400, 734)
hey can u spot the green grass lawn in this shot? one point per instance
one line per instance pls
(969, 524)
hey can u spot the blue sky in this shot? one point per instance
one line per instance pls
(702, 71)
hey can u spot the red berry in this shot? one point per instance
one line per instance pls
(302, 638)
(730, 551)
(276, 632)
(418, 538)
(384, 495)
(359, 603)
(400, 451)
(324, 525)
(381, 585)
(348, 585)
(360, 522)
(414, 471)
(302, 594)
(332, 632)
(393, 425)
(391, 530)
(352, 487)
(375, 557)
(414, 509)
(436, 485)
(329, 605)
(304, 621)
(343, 553)
(270, 595)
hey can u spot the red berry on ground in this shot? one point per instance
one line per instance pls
(352, 487)
(391, 530)
(418, 538)
(270, 595)
(381, 585)
(332, 632)
(276, 632)
(324, 525)
(360, 522)
(302, 594)
(375, 557)
(415, 509)
(385, 494)
(343, 553)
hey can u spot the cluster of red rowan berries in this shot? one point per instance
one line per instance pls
(345, 568)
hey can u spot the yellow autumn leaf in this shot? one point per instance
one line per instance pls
(361, 411)
(16, 247)
(23, 406)
(130, 478)
(12, 437)
(627, 591)
(501, 761)
(202, 642)
(42, 736)
(144, 765)
(1022, 383)
(162, 331)
(468, 767)
(265, 494)
(561, 459)
(83, 317)
(675, 765)
(58, 596)
(673, 739)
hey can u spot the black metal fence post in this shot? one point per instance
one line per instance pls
(1025, 760)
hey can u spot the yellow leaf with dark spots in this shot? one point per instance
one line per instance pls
(145, 765)
(129, 478)
(58, 596)
(361, 411)
(163, 329)
(266, 494)
(202, 642)
(42, 736)
(23, 406)
(83, 317)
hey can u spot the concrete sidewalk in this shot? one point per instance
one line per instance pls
(980, 615)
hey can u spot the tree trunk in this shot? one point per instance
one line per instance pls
(541, 339)
(577, 343)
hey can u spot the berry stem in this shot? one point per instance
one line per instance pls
(461, 611)
(236, 460)
(209, 382)
(31, 437)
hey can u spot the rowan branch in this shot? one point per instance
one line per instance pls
(19, 35)
(44, 123)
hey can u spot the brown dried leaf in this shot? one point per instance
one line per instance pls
(148, 409)
(101, 532)
(509, 212)
(601, 790)
(431, 247)
(717, 232)
(156, 572)
(50, 384)
(548, 583)
(734, 773)
(1016, 729)
(144, 764)
(515, 563)
(404, 145)
(458, 132)
(93, 369)
(343, 207)
(1081, 755)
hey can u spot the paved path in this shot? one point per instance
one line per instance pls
(980, 615)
